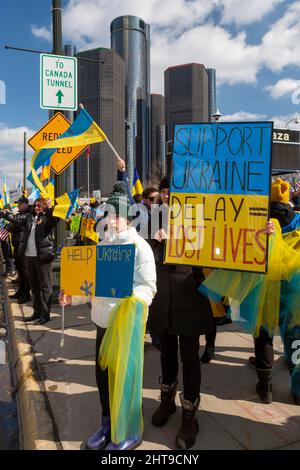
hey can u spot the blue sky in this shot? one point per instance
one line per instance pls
(255, 51)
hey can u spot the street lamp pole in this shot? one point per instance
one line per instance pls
(295, 119)
(59, 180)
(24, 163)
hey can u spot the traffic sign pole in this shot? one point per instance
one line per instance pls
(59, 181)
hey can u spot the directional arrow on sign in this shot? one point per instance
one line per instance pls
(59, 95)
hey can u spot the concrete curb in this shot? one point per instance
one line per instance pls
(37, 429)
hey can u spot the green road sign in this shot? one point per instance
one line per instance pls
(58, 82)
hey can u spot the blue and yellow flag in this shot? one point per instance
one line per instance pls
(83, 131)
(50, 190)
(5, 193)
(65, 204)
(88, 222)
(1, 201)
(45, 174)
(137, 187)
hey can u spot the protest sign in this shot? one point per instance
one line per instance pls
(219, 195)
(98, 271)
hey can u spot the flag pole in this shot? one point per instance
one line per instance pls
(107, 140)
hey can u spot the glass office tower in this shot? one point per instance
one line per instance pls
(212, 94)
(101, 89)
(130, 38)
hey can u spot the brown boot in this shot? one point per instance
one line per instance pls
(189, 428)
(167, 406)
(264, 386)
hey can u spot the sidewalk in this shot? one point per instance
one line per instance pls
(59, 403)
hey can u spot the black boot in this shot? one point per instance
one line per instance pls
(16, 295)
(264, 386)
(167, 406)
(42, 320)
(189, 428)
(252, 362)
(23, 299)
(33, 317)
(208, 355)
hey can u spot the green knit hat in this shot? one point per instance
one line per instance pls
(119, 200)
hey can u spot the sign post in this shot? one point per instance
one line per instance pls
(58, 82)
(219, 201)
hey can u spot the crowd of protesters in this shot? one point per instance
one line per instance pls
(177, 312)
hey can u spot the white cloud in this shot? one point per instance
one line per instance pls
(234, 60)
(185, 31)
(283, 87)
(11, 152)
(244, 116)
(280, 45)
(235, 11)
(41, 32)
(280, 122)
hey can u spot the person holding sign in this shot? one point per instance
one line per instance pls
(289, 317)
(120, 325)
(178, 312)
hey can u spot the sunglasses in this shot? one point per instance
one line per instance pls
(37, 205)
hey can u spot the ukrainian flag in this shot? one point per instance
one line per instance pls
(50, 190)
(1, 201)
(45, 174)
(5, 193)
(137, 187)
(83, 131)
(65, 204)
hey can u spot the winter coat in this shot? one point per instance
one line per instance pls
(144, 281)
(178, 308)
(43, 233)
(16, 227)
(283, 212)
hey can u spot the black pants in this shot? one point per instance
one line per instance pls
(23, 288)
(102, 375)
(8, 256)
(189, 353)
(264, 352)
(40, 281)
(210, 337)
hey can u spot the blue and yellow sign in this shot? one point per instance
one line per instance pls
(220, 195)
(98, 271)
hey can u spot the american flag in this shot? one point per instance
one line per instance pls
(4, 234)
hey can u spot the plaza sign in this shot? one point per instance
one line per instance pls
(58, 82)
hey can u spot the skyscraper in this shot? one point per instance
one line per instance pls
(101, 89)
(130, 38)
(186, 95)
(158, 136)
(212, 94)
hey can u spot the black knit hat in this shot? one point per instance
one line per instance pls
(165, 183)
(119, 200)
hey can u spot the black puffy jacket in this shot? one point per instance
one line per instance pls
(43, 233)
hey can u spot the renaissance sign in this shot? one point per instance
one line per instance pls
(220, 195)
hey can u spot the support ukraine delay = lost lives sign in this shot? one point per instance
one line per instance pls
(98, 271)
(219, 201)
